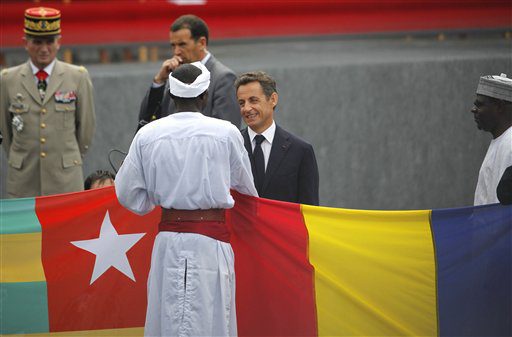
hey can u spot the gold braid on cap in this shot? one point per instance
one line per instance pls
(43, 27)
(41, 21)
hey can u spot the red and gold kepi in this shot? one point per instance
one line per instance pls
(42, 21)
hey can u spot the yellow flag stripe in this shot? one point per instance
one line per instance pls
(20, 258)
(374, 272)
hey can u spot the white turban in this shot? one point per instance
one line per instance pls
(499, 87)
(194, 89)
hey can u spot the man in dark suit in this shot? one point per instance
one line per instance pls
(284, 166)
(189, 39)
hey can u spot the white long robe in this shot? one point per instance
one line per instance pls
(191, 287)
(187, 161)
(497, 159)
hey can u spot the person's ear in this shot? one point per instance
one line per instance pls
(202, 42)
(57, 42)
(205, 97)
(274, 98)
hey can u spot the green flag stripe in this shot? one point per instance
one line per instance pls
(24, 308)
(18, 216)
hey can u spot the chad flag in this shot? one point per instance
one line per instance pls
(77, 265)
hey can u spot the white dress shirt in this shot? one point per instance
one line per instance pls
(184, 161)
(496, 161)
(48, 69)
(266, 145)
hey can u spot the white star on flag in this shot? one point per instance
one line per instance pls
(110, 249)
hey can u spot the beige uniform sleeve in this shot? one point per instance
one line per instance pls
(85, 114)
(5, 118)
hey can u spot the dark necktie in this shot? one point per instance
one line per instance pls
(41, 82)
(259, 162)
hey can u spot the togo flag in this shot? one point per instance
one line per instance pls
(77, 265)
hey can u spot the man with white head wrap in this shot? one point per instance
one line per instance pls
(187, 163)
(493, 113)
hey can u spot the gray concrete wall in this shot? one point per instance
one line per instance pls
(389, 119)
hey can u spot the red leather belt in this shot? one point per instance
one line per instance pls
(210, 222)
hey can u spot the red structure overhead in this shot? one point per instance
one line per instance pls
(139, 21)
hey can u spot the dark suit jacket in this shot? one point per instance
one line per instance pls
(504, 189)
(292, 171)
(222, 102)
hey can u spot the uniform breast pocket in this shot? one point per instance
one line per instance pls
(18, 112)
(18, 108)
(66, 115)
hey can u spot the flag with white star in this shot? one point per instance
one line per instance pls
(77, 265)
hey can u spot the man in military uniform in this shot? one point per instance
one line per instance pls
(47, 114)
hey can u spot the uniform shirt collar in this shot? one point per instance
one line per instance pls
(268, 133)
(48, 68)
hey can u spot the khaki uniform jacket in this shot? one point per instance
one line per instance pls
(45, 152)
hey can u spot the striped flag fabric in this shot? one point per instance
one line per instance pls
(77, 265)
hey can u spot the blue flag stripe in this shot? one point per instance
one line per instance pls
(474, 263)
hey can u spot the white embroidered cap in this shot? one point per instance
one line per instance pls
(497, 86)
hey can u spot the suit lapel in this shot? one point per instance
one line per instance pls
(280, 146)
(29, 83)
(55, 81)
(248, 147)
(247, 142)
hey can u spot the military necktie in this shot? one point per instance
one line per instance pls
(259, 163)
(41, 82)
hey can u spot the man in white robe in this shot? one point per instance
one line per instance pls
(492, 111)
(187, 163)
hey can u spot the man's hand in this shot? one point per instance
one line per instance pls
(168, 66)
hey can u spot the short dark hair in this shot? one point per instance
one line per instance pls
(100, 176)
(195, 24)
(265, 80)
(186, 73)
